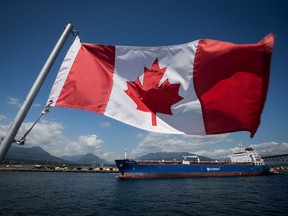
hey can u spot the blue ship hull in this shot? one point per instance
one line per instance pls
(132, 169)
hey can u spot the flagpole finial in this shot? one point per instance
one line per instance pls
(73, 31)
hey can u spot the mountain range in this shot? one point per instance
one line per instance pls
(37, 154)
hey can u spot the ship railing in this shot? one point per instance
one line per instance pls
(158, 162)
(142, 162)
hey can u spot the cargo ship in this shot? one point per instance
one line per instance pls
(245, 162)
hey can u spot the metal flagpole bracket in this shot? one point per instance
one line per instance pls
(9, 138)
(75, 32)
(45, 110)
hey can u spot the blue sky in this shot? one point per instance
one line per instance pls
(30, 29)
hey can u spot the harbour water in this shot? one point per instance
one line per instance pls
(60, 193)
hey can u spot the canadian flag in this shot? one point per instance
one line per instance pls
(202, 87)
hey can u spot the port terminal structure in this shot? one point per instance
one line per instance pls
(276, 159)
(51, 168)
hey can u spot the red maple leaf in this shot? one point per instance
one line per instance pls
(150, 97)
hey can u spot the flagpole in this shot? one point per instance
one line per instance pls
(8, 139)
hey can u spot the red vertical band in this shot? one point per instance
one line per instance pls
(231, 82)
(90, 80)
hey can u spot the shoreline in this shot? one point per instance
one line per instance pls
(96, 170)
(75, 171)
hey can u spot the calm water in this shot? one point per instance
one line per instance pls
(49, 193)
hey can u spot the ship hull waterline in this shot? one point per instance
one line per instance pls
(131, 169)
(186, 175)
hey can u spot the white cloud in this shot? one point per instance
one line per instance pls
(263, 149)
(16, 101)
(271, 148)
(3, 130)
(90, 142)
(156, 142)
(36, 105)
(218, 153)
(105, 124)
(2, 117)
(50, 136)
(13, 101)
(139, 136)
(110, 156)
